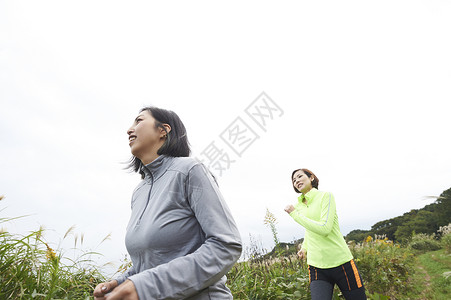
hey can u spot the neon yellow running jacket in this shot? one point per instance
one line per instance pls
(323, 241)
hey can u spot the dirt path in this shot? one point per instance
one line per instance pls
(427, 281)
(428, 275)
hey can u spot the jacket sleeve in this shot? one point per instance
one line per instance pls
(121, 278)
(187, 275)
(324, 225)
(304, 245)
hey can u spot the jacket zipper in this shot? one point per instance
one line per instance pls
(148, 200)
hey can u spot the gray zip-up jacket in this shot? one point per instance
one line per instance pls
(181, 237)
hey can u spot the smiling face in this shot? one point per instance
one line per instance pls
(302, 182)
(145, 137)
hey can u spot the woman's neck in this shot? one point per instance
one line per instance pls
(305, 192)
(149, 158)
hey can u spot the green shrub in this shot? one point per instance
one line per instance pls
(446, 243)
(423, 242)
(385, 267)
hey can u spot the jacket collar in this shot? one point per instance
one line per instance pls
(157, 168)
(308, 196)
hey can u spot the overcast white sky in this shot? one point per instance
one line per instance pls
(363, 90)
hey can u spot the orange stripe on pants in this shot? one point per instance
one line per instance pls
(344, 271)
(356, 274)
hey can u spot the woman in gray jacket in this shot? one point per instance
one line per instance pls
(181, 236)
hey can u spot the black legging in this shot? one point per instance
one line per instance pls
(323, 290)
(346, 276)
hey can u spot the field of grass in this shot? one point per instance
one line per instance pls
(389, 271)
(31, 269)
(432, 279)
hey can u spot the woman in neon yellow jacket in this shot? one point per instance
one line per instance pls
(329, 259)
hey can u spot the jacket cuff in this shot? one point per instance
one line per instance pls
(120, 279)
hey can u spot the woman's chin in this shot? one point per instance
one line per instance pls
(134, 151)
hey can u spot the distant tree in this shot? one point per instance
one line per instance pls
(425, 220)
(418, 221)
(443, 208)
(388, 227)
(358, 235)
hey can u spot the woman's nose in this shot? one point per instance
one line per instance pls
(130, 130)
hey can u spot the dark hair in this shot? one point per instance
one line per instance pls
(309, 173)
(176, 143)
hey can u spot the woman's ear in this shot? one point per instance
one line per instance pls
(166, 130)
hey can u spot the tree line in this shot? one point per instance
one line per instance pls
(399, 229)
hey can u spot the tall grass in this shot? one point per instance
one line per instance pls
(31, 269)
(445, 237)
(270, 278)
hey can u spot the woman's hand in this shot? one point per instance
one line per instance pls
(103, 288)
(289, 208)
(302, 254)
(125, 291)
